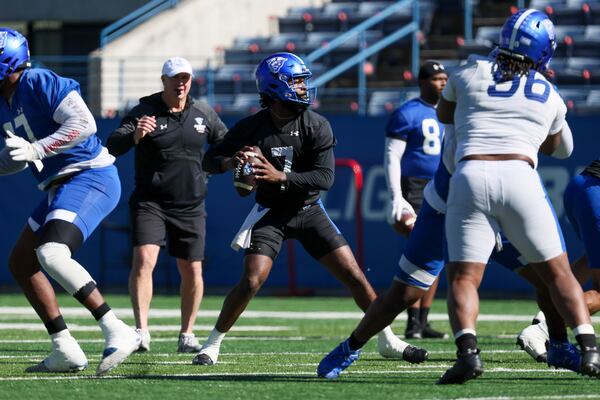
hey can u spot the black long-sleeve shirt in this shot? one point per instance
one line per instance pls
(303, 149)
(168, 161)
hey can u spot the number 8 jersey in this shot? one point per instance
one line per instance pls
(512, 117)
(416, 123)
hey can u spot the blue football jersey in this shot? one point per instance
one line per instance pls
(29, 115)
(416, 123)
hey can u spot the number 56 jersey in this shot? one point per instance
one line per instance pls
(512, 117)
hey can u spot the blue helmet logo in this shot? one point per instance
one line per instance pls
(278, 75)
(528, 35)
(14, 52)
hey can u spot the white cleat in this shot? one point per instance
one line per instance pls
(121, 341)
(390, 346)
(188, 343)
(66, 356)
(533, 340)
(144, 340)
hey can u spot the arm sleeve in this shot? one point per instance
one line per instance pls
(394, 150)
(565, 148)
(121, 140)
(76, 125)
(8, 166)
(321, 176)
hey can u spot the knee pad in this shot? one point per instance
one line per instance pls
(56, 260)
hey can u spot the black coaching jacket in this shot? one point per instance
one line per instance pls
(168, 161)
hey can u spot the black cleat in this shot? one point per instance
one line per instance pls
(468, 366)
(413, 329)
(202, 359)
(429, 333)
(415, 355)
(590, 362)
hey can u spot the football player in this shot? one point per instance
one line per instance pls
(49, 129)
(422, 262)
(504, 111)
(297, 163)
(413, 146)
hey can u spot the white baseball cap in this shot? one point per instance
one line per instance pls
(176, 65)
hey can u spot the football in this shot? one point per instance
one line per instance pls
(406, 223)
(243, 175)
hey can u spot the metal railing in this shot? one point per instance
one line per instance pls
(134, 19)
(365, 52)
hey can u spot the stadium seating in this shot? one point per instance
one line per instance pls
(307, 28)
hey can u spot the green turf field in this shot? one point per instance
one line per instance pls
(273, 354)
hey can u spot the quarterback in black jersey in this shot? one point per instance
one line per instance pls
(297, 162)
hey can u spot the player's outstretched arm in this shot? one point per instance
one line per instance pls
(565, 147)
(76, 125)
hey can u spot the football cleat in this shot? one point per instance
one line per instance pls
(340, 358)
(389, 345)
(415, 355)
(590, 362)
(413, 329)
(203, 359)
(564, 355)
(188, 343)
(534, 340)
(66, 356)
(429, 333)
(467, 366)
(120, 342)
(144, 340)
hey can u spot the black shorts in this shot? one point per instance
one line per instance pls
(183, 234)
(311, 226)
(412, 189)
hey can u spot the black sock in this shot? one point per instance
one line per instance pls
(423, 315)
(100, 311)
(587, 341)
(56, 325)
(466, 344)
(354, 343)
(559, 336)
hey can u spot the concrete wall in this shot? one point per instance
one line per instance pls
(195, 29)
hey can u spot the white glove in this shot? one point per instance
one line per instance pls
(21, 149)
(397, 206)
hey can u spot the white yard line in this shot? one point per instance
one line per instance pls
(27, 312)
(155, 328)
(413, 371)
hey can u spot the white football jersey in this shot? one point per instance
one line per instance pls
(502, 118)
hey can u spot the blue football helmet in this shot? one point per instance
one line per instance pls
(14, 52)
(275, 76)
(528, 35)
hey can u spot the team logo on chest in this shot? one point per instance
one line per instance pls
(162, 127)
(199, 126)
